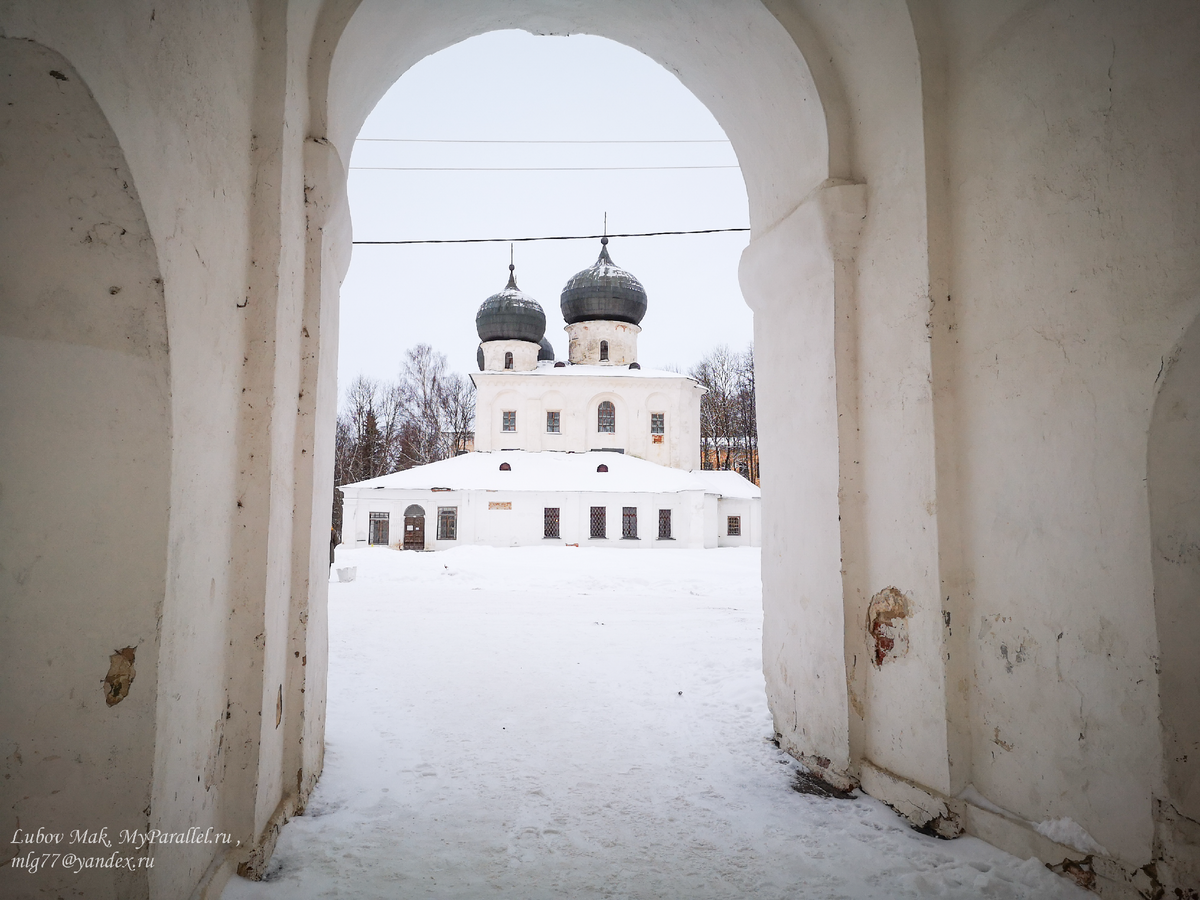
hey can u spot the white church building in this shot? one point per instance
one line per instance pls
(596, 451)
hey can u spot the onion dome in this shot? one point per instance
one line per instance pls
(510, 315)
(545, 351)
(603, 291)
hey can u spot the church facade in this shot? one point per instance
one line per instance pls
(582, 452)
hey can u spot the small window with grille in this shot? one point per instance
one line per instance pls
(508, 360)
(505, 467)
(599, 526)
(733, 526)
(550, 518)
(447, 523)
(658, 423)
(664, 525)
(379, 528)
(602, 468)
(604, 351)
(553, 422)
(508, 420)
(606, 417)
(629, 523)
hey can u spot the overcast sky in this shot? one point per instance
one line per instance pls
(512, 86)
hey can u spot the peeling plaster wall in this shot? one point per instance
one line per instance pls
(1073, 186)
(85, 434)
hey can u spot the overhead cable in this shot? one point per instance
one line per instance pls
(556, 237)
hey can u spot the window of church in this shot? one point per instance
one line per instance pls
(604, 351)
(664, 525)
(606, 417)
(733, 526)
(553, 420)
(602, 468)
(447, 523)
(509, 420)
(599, 526)
(658, 423)
(629, 523)
(550, 517)
(508, 360)
(505, 467)
(379, 528)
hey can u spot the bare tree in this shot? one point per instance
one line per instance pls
(728, 422)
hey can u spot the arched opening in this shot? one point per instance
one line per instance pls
(414, 528)
(604, 351)
(508, 360)
(1173, 479)
(606, 417)
(85, 451)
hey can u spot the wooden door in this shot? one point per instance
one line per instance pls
(414, 532)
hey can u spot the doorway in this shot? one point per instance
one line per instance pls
(414, 528)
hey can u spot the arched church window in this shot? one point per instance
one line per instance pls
(505, 467)
(606, 417)
(602, 468)
(604, 351)
(508, 360)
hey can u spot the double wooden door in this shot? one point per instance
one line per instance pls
(414, 532)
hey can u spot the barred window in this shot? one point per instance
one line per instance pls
(604, 351)
(733, 526)
(379, 528)
(509, 420)
(629, 523)
(664, 525)
(508, 360)
(553, 421)
(447, 523)
(599, 526)
(658, 423)
(606, 417)
(550, 516)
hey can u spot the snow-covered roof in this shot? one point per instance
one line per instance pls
(547, 368)
(552, 470)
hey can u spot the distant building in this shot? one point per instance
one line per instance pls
(584, 451)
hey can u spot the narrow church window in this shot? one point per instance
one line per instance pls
(509, 422)
(505, 467)
(733, 526)
(599, 527)
(447, 523)
(629, 523)
(552, 422)
(550, 518)
(606, 417)
(604, 351)
(658, 423)
(508, 362)
(379, 529)
(664, 525)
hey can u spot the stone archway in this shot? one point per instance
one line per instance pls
(1173, 472)
(85, 452)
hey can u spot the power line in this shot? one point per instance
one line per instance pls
(533, 168)
(480, 141)
(557, 237)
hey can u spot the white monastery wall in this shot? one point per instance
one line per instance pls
(515, 518)
(577, 396)
(972, 268)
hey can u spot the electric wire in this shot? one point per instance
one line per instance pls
(482, 141)
(533, 168)
(556, 237)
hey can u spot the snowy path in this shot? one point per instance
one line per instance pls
(490, 740)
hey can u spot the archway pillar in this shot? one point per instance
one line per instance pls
(795, 277)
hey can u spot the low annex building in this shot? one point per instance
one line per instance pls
(585, 451)
(517, 498)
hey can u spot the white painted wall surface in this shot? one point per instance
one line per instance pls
(576, 393)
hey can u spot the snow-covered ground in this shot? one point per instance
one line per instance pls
(561, 722)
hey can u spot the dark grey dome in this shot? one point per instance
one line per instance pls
(510, 316)
(545, 351)
(603, 291)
